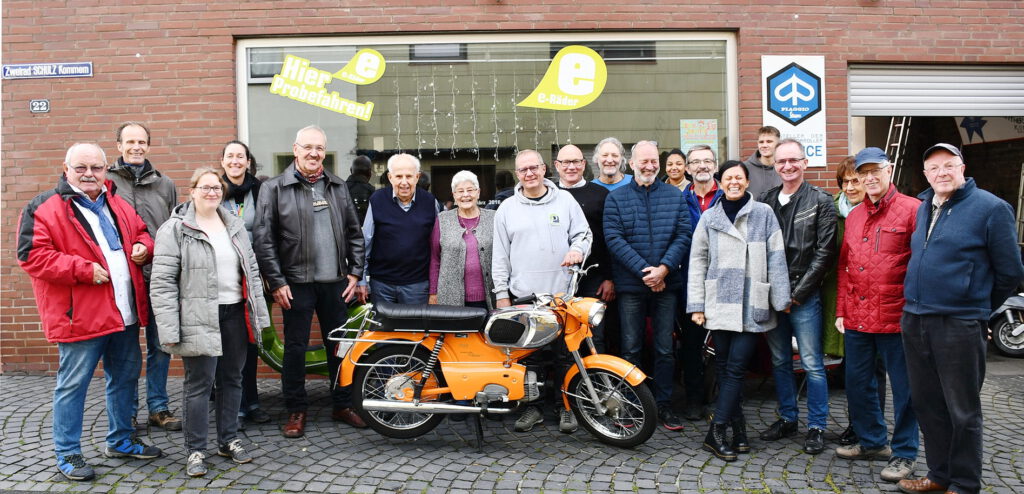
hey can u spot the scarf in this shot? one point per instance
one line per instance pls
(312, 179)
(844, 206)
(237, 193)
(109, 232)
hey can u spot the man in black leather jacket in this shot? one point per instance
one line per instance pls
(309, 247)
(807, 216)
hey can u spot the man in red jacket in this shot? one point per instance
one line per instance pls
(872, 265)
(83, 249)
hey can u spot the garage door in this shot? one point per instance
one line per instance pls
(929, 90)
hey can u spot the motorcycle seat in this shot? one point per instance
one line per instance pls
(433, 318)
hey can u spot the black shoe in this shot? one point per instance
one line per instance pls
(669, 419)
(848, 437)
(715, 443)
(780, 429)
(693, 411)
(815, 442)
(258, 415)
(740, 443)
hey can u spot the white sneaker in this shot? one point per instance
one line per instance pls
(898, 469)
(567, 422)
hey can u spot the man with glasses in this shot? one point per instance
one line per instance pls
(309, 247)
(702, 193)
(964, 263)
(872, 266)
(807, 216)
(538, 232)
(396, 233)
(84, 249)
(153, 195)
(647, 226)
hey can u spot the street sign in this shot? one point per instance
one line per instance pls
(47, 70)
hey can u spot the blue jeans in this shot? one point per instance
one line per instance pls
(158, 362)
(122, 361)
(413, 293)
(732, 354)
(661, 307)
(804, 322)
(862, 392)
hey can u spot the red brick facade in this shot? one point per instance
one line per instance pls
(172, 64)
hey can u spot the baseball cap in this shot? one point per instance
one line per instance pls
(943, 147)
(869, 155)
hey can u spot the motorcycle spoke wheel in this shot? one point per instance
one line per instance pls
(389, 374)
(630, 412)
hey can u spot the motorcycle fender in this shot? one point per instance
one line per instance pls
(358, 350)
(631, 373)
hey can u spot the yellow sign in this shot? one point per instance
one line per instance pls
(366, 67)
(574, 79)
(301, 82)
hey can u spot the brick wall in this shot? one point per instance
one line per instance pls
(172, 64)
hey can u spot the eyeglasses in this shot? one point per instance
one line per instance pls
(529, 169)
(309, 147)
(210, 189)
(708, 162)
(82, 169)
(877, 172)
(464, 192)
(571, 162)
(789, 161)
(947, 167)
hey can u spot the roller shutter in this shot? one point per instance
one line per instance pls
(931, 90)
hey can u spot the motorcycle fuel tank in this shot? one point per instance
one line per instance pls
(522, 326)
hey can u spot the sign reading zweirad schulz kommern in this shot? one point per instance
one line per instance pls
(47, 70)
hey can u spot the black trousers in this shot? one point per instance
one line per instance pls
(325, 299)
(946, 366)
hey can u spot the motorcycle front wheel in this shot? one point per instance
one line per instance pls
(389, 374)
(630, 411)
(1005, 342)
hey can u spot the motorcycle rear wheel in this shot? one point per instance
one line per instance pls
(387, 370)
(1005, 342)
(632, 413)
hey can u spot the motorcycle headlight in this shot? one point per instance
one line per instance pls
(596, 314)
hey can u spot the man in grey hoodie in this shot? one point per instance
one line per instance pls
(761, 164)
(537, 233)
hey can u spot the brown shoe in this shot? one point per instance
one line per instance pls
(296, 425)
(166, 420)
(348, 416)
(923, 484)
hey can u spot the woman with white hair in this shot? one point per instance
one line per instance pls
(460, 249)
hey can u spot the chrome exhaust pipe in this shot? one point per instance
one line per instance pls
(426, 407)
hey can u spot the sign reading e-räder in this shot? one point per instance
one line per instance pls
(792, 89)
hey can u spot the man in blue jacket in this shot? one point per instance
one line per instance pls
(964, 263)
(647, 227)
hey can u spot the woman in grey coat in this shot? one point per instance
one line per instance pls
(208, 301)
(737, 280)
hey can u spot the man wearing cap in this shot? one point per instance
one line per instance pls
(964, 263)
(872, 265)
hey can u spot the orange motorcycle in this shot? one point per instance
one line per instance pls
(410, 365)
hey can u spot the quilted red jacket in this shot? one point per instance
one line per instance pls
(56, 248)
(873, 263)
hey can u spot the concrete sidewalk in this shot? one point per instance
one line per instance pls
(333, 457)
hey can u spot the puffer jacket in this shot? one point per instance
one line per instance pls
(57, 248)
(282, 236)
(646, 226)
(873, 263)
(184, 290)
(971, 262)
(737, 272)
(809, 231)
(152, 194)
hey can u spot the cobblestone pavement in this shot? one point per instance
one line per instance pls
(333, 457)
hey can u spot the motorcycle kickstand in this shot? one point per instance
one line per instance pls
(479, 429)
